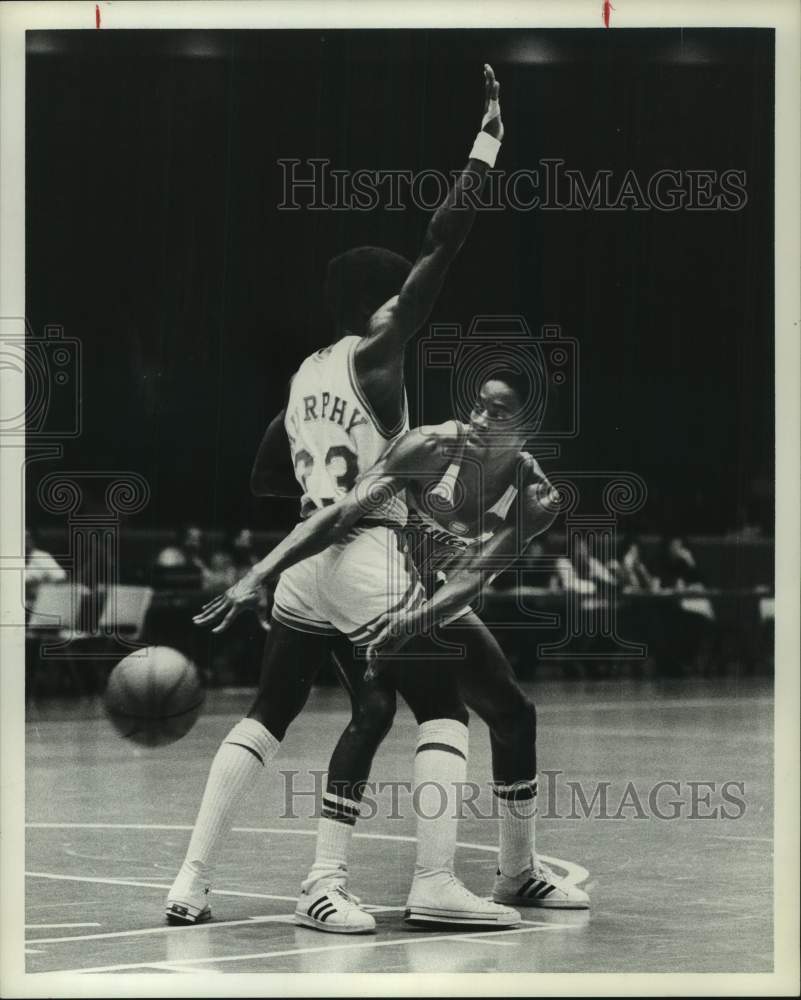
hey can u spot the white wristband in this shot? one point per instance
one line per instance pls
(485, 148)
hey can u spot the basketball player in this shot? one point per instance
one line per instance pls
(346, 405)
(475, 501)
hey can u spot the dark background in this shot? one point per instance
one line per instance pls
(154, 237)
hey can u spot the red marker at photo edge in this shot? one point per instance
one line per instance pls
(97, 15)
(607, 12)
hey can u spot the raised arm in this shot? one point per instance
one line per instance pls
(379, 356)
(415, 454)
(272, 474)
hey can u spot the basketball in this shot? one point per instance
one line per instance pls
(154, 696)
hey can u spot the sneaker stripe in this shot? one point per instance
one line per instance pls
(318, 905)
(325, 913)
(533, 887)
(523, 890)
(545, 891)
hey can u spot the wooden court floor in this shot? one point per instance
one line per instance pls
(108, 824)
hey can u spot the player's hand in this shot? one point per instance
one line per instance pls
(491, 122)
(244, 595)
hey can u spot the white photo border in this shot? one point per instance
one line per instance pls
(782, 15)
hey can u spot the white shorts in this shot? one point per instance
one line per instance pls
(351, 588)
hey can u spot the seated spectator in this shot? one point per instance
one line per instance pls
(582, 572)
(629, 568)
(185, 558)
(677, 569)
(40, 567)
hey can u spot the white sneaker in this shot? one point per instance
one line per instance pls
(442, 899)
(538, 886)
(188, 899)
(330, 907)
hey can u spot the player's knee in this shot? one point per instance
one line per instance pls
(277, 709)
(275, 722)
(517, 718)
(524, 718)
(528, 712)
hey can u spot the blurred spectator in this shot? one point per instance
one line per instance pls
(230, 562)
(676, 568)
(187, 553)
(538, 575)
(629, 568)
(242, 551)
(40, 567)
(582, 572)
(222, 572)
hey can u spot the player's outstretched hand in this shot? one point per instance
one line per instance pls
(220, 612)
(491, 122)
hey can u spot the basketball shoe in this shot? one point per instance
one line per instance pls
(538, 886)
(440, 898)
(330, 907)
(188, 899)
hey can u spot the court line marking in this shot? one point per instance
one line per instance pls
(374, 907)
(619, 706)
(60, 905)
(758, 840)
(575, 873)
(650, 734)
(423, 939)
(498, 944)
(210, 925)
(29, 927)
(169, 967)
(154, 885)
(167, 929)
(568, 706)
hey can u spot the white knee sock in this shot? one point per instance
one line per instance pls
(236, 769)
(517, 805)
(334, 833)
(440, 768)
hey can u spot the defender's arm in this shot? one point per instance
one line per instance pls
(540, 507)
(415, 454)
(380, 353)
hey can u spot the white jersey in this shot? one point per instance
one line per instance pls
(334, 436)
